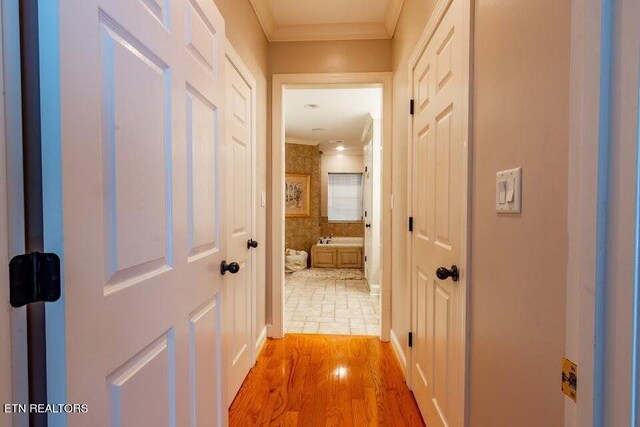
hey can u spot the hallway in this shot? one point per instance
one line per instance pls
(320, 212)
(313, 380)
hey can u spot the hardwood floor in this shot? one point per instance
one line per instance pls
(325, 380)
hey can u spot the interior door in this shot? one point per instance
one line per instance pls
(239, 205)
(133, 204)
(367, 201)
(439, 138)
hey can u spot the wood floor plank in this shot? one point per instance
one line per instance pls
(291, 419)
(325, 380)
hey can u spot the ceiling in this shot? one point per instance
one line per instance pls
(306, 20)
(343, 114)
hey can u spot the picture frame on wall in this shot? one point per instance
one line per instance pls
(297, 191)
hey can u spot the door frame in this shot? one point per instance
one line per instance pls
(13, 189)
(275, 233)
(236, 61)
(430, 28)
(587, 209)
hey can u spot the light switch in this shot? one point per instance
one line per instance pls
(263, 199)
(502, 192)
(508, 191)
(511, 183)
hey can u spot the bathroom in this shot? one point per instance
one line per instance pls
(332, 225)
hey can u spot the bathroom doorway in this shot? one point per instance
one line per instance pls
(332, 209)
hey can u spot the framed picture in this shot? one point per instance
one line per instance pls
(297, 189)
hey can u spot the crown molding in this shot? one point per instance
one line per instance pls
(392, 15)
(265, 17)
(326, 32)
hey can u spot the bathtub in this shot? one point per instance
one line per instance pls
(340, 252)
(344, 242)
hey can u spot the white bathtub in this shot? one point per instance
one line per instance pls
(344, 242)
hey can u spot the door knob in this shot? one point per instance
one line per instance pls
(252, 244)
(443, 273)
(232, 267)
(368, 225)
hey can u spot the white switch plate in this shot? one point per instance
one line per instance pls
(263, 199)
(512, 178)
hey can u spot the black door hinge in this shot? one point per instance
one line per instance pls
(410, 339)
(411, 224)
(411, 107)
(366, 168)
(34, 277)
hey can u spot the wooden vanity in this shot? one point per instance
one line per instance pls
(336, 256)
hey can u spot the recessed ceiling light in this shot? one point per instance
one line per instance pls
(318, 129)
(311, 106)
(340, 148)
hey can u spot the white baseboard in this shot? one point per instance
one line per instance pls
(397, 349)
(374, 289)
(262, 339)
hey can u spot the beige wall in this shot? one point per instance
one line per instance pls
(245, 34)
(518, 271)
(413, 18)
(518, 282)
(330, 56)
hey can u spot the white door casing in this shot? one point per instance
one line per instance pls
(133, 181)
(275, 234)
(438, 203)
(618, 288)
(6, 380)
(602, 280)
(239, 288)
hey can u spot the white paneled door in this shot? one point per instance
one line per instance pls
(438, 206)
(239, 195)
(134, 142)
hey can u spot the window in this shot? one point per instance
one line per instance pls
(344, 197)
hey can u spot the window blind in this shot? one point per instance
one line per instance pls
(344, 197)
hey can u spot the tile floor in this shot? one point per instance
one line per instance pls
(330, 306)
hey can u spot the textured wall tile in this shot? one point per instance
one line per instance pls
(302, 233)
(341, 229)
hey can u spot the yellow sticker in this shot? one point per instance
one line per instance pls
(569, 378)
